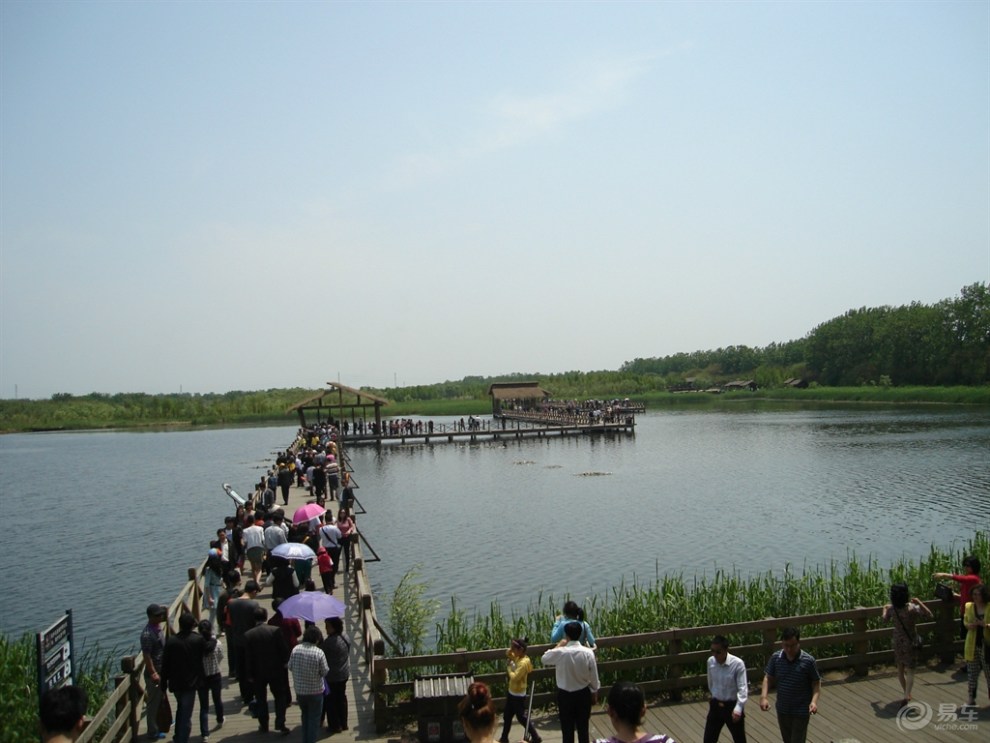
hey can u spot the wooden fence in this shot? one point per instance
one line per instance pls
(661, 663)
(119, 717)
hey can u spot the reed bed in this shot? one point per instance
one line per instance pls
(94, 671)
(726, 597)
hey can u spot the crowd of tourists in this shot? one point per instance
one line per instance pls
(263, 646)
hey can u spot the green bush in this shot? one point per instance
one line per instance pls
(94, 672)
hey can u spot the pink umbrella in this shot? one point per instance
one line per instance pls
(307, 512)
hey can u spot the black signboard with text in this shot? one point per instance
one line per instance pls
(55, 655)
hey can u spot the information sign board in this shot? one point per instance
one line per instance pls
(55, 655)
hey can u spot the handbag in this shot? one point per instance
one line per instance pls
(944, 591)
(916, 642)
(164, 717)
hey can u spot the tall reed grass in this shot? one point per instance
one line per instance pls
(94, 672)
(723, 598)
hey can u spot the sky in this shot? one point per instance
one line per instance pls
(215, 196)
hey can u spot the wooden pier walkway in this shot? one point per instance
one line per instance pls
(852, 709)
(863, 711)
(497, 430)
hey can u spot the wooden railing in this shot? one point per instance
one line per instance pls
(667, 668)
(122, 709)
(564, 418)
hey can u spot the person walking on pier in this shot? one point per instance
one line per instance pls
(967, 580)
(308, 665)
(337, 648)
(153, 648)
(577, 682)
(798, 687)
(345, 522)
(729, 688)
(330, 539)
(212, 679)
(626, 707)
(904, 612)
(286, 470)
(254, 544)
(241, 610)
(518, 668)
(265, 655)
(977, 647)
(182, 673)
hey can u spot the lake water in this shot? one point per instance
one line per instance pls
(105, 523)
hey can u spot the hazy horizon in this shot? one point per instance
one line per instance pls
(249, 196)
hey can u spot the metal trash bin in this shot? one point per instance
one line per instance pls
(436, 699)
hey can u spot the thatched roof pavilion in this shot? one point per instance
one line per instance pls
(331, 403)
(527, 395)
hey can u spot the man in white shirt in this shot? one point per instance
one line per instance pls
(577, 682)
(330, 537)
(254, 547)
(729, 688)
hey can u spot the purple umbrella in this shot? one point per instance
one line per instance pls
(307, 512)
(311, 605)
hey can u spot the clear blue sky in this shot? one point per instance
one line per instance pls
(233, 195)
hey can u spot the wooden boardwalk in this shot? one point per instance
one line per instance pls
(863, 711)
(852, 710)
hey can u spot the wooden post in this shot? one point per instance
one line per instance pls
(462, 664)
(379, 677)
(675, 647)
(197, 593)
(861, 667)
(134, 693)
(946, 631)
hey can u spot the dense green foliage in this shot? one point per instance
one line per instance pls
(98, 410)
(871, 351)
(410, 613)
(94, 671)
(947, 343)
(723, 598)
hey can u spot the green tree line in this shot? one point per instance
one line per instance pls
(945, 345)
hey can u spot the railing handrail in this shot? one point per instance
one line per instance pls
(942, 641)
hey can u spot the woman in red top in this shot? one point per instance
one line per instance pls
(970, 577)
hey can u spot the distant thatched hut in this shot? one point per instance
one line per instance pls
(516, 396)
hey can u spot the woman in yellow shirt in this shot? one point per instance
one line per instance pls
(518, 667)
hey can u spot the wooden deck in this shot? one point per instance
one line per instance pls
(852, 710)
(513, 431)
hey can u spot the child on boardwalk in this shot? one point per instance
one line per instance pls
(326, 569)
(518, 667)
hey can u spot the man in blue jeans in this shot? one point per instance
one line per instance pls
(182, 673)
(798, 687)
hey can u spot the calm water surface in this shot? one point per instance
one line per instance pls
(105, 523)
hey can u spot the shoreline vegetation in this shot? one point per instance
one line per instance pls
(136, 411)
(668, 601)
(917, 354)
(726, 597)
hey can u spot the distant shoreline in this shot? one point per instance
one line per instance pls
(77, 421)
